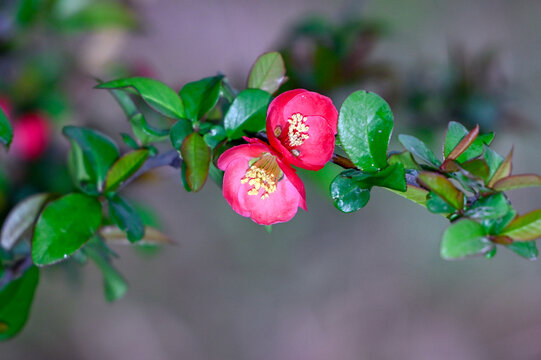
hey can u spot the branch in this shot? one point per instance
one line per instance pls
(342, 161)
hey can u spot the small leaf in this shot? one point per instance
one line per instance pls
(152, 236)
(477, 168)
(199, 97)
(461, 147)
(444, 188)
(406, 159)
(392, 177)
(419, 149)
(64, 226)
(196, 156)
(215, 136)
(98, 151)
(517, 182)
(414, 193)
(268, 73)
(128, 140)
(490, 207)
(16, 300)
(21, 218)
(179, 131)
(437, 205)
(247, 113)
(6, 131)
(125, 167)
(525, 228)
(156, 94)
(503, 171)
(365, 124)
(493, 160)
(126, 218)
(464, 238)
(347, 195)
(114, 285)
(527, 250)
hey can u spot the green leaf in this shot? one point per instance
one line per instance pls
(125, 167)
(114, 285)
(196, 156)
(347, 195)
(156, 94)
(437, 205)
(6, 131)
(459, 149)
(64, 226)
(496, 226)
(503, 171)
(100, 15)
(525, 228)
(406, 159)
(477, 168)
(268, 73)
(199, 97)
(392, 177)
(494, 160)
(414, 193)
(365, 124)
(96, 150)
(490, 207)
(443, 187)
(21, 218)
(215, 136)
(517, 182)
(247, 113)
(455, 133)
(128, 140)
(152, 236)
(419, 149)
(464, 238)
(179, 131)
(527, 250)
(126, 218)
(15, 303)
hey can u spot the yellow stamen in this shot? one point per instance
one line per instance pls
(264, 174)
(298, 130)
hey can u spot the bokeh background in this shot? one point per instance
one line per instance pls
(367, 285)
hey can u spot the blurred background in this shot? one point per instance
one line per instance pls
(368, 285)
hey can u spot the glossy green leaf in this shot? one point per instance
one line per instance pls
(156, 94)
(21, 218)
(114, 285)
(365, 124)
(463, 144)
(437, 205)
(82, 171)
(490, 207)
(124, 168)
(199, 97)
(414, 193)
(347, 195)
(406, 159)
(455, 133)
(464, 238)
(15, 303)
(443, 187)
(196, 156)
(99, 15)
(525, 228)
(419, 149)
(392, 177)
(64, 226)
(215, 136)
(527, 250)
(126, 218)
(98, 151)
(247, 113)
(6, 131)
(179, 131)
(268, 73)
(517, 182)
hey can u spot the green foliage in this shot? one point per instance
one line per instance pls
(199, 97)
(196, 156)
(126, 218)
(247, 113)
(64, 226)
(364, 126)
(419, 149)
(464, 238)
(125, 167)
(268, 73)
(99, 15)
(6, 131)
(347, 195)
(444, 188)
(15, 300)
(525, 228)
(179, 131)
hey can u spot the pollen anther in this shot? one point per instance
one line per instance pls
(264, 174)
(298, 130)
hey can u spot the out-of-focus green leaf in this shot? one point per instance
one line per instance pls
(496, 226)
(406, 159)
(517, 182)
(494, 160)
(455, 133)
(463, 144)
(152, 236)
(268, 73)
(525, 228)
(196, 156)
(503, 171)
(464, 238)
(437, 205)
(179, 131)
(419, 149)
(490, 207)
(348, 195)
(527, 250)
(97, 150)
(443, 187)
(199, 97)
(414, 193)
(128, 140)
(477, 168)
(6, 131)
(365, 124)
(64, 226)
(126, 218)
(156, 94)
(125, 167)
(15, 303)
(99, 15)
(247, 113)
(114, 285)
(21, 218)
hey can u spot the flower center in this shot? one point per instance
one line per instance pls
(263, 174)
(297, 131)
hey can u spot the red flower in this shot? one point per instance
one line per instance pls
(30, 136)
(301, 125)
(259, 185)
